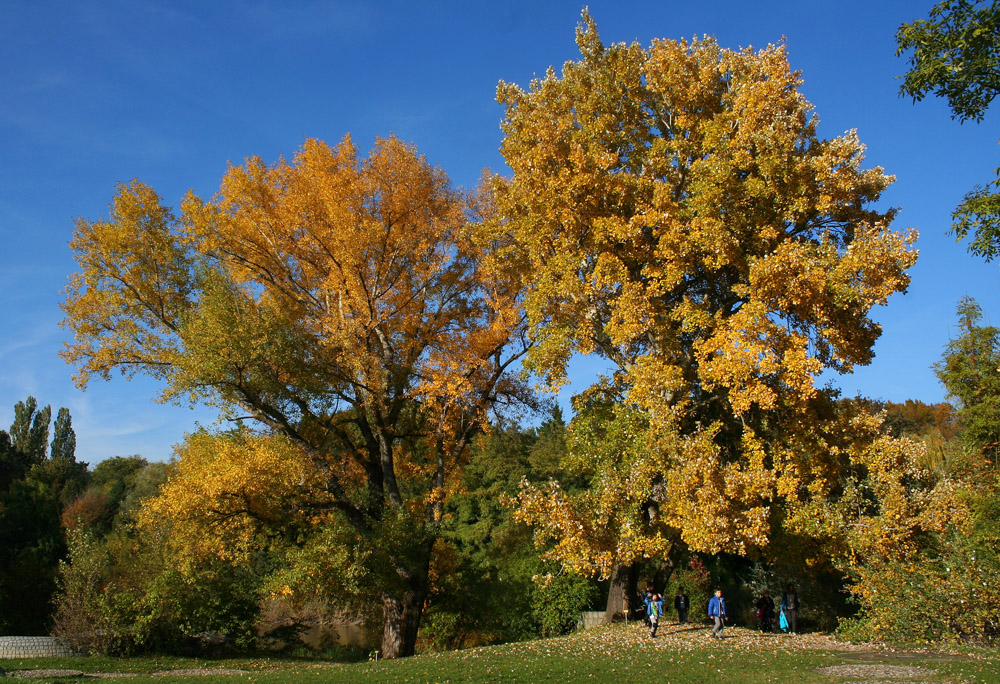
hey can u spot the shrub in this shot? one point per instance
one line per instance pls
(696, 580)
(79, 613)
(557, 605)
(949, 598)
(949, 592)
(119, 596)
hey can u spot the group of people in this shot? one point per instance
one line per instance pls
(789, 610)
(654, 608)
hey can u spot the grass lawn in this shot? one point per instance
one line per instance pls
(616, 654)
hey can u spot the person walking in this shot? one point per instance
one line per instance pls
(717, 611)
(790, 607)
(647, 597)
(655, 611)
(638, 607)
(765, 612)
(681, 604)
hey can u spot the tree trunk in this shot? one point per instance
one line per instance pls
(401, 621)
(663, 574)
(666, 569)
(403, 603)
(621, 595)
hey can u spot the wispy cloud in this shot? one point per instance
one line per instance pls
(93, 137)
(335, 20)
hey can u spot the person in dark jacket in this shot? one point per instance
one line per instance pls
(681, 604)
(765, 612)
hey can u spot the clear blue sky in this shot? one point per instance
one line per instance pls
(92, 93)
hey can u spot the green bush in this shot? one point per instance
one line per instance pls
(120, 597)
(939, 599)
(950, 592)
(557, 605)
(697, 583)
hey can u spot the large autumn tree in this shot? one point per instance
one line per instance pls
(675, 211)
(340, 302)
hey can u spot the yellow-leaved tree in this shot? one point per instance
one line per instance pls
(341, 302)
(674, 210)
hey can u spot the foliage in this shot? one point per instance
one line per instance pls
(945, 593)
(944, 589)
(979, 214)
(914, 418)
(92, 510)
(696, 581)
(482, 590)
(557, 604)
(63, 437)
(64, 476)
(674, 211)
(956, 55)
(79, 616)
(234, 499)
(589, 529)
(123, 591)
(32, 546)
(116, 488)
(226, 492)
(970, 371)
(342, 302)
(35, 484)
(490, 580)
(11, 464)
(940, 584)
(824, 598)
(124, 594)
(116, 476)
(29, 432)
(936, 425)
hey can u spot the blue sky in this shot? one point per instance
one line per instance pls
(92, 93)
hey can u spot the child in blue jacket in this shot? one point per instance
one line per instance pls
(717, 611)
(654, 609)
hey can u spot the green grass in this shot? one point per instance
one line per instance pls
(616, 654)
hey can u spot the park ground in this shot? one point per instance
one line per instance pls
(681, 654)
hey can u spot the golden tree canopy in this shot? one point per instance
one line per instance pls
(674, 210)
(338, 300)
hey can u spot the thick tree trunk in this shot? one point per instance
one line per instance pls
(403, 604)
(663, 574)
(666, 569)
(621, 595)
(401, 621)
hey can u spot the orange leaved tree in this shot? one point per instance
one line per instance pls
(341, 302)
(676, 212)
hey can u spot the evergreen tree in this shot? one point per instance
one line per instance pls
(29, 432)
(34, 488)
(970, 371)
(63, 437)
(61, 473)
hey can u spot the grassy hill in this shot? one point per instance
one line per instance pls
(616, 654)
